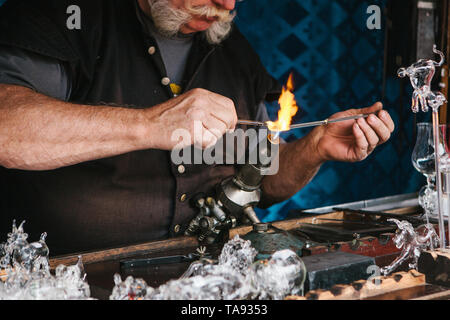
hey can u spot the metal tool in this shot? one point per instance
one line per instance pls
(306, 124)
(343, 221)
(386, 215)
(235, 198)
(252, 123)
(145, 262)
(139, 263)
(345, 232)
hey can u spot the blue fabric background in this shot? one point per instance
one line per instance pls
(337, 64)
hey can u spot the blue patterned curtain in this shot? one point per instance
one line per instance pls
(337, 63)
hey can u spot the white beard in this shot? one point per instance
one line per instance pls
(169, 20)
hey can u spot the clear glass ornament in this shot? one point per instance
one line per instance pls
(27, 272)
(234, 276)
(412, 242)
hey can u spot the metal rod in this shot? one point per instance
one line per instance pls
(252, 123)
(384, 214)
(306, 124)
(438, 176)
(360, 222)
(326, 121)
(345, 232)
(309, 124)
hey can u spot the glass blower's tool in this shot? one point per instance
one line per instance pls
(146, 262)
(306, 124)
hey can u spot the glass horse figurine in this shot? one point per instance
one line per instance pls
(421, 74)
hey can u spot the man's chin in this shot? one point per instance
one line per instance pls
(197, 26)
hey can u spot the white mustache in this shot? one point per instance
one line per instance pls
(211, 12)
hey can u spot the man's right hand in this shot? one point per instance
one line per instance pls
(205, 115)
(38, 132)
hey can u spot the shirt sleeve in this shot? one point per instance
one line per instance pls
(45, 75)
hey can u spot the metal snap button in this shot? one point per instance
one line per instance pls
(165, 81)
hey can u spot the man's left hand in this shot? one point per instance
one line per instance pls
(354, 140)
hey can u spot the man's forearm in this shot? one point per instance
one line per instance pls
(41, 133)
(288, 181)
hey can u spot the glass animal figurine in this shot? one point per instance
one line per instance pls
(421, 74)
(18, 253)
(130, 289)
(27, 271)
(412, 242)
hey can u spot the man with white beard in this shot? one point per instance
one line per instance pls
(87, 117)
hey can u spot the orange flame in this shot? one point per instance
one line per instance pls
(288, 108)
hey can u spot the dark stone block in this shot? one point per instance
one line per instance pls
(331, 268)
(436, 267)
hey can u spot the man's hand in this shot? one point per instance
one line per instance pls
(212, 114)
(348, 141)
(41, 133)
(352, 141)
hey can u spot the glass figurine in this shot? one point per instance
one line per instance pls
(421, 74)
(27, 271)
(18, 253)
(412, 242)
(283, 274)
(130, 289)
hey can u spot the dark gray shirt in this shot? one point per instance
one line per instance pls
(174, 50)
(40, 73)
